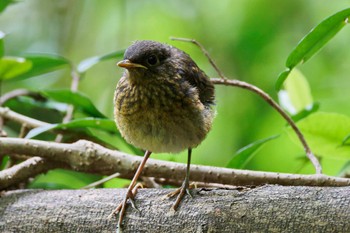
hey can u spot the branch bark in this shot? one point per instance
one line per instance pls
(90, 157)
(263, 209)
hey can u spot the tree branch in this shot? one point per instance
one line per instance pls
(271, 102)
(19, 118)
(90, 157)
(21, 172)
(15, 93)
(263, 209)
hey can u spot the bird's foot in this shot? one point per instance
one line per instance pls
(130, 195)
(180, 192)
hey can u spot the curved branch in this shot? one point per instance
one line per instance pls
(15, 93)
(271, 102)
(90, 157)
(24, 120)
(21, 172)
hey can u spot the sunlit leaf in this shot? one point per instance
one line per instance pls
(243, 155)
(43, 63)
(296, 96)
(63, 179)
(12, 67)
(98, 123)
(325, 133)
(79, 100)
(317, 38)
(116, 183)
(2, 48)
(88, 63)
(298, 90)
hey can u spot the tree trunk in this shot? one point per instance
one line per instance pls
(268, 208)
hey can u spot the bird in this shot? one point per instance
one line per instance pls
(163, 103)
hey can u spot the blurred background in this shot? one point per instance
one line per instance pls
(249, 40)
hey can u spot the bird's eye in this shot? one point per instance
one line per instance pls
(152, 60)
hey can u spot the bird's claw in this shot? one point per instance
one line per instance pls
(130, 195)
(180, 192)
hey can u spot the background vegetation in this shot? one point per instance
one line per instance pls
(249, 40)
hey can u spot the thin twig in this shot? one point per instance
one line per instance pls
(224, 81)
(15, 93)
(24, 131)
(7, 113)
(149, 181)
(4, 98)
(29, 168)
(204, 51)
(178, 183)
(99, 182)
(21, 119)
(69, 114)
(2, 131)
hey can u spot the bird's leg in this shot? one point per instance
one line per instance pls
(131, 191)
(180, 192)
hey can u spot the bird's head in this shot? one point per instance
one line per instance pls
(146, 60)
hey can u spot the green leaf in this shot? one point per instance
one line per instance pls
(325, 134)
(43, 63)
(38, 108)
(296, 95)
(4, 4)
(98, 123)
(12, 67)
(281, 77)
(2, 48)
(3, 162)
(39, 130)
(77, 99)
(63, 179)
(317, 38)
(116, 183)
(243, 155)
(88, 63)
(39, 102)
(306, 112)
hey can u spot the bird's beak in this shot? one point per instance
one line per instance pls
(128, 64)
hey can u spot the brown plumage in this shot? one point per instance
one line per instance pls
(165, 107)
(163, 102)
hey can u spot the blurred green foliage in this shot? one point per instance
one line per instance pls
(249, 40)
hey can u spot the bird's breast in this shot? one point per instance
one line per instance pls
(161, 117)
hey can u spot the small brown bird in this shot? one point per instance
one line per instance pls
(162, 103)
